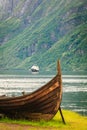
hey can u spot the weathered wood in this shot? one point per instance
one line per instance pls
(61, 115)
(40, 104)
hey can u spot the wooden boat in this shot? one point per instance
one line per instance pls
(40, 104)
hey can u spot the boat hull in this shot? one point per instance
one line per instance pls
(42, 104)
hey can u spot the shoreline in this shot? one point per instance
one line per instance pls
(73, 121)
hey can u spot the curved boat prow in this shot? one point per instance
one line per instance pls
(43, 103)
(59, 71)
(58, 67)
(60, 81)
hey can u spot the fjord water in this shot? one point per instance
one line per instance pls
(74, 88)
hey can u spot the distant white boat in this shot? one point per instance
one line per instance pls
(35, 68)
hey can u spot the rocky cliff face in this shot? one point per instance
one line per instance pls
(6, 8)
(17, 8)
(15, 12)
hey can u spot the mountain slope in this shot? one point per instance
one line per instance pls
(40, 32)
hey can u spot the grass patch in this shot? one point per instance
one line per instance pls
(73, 120)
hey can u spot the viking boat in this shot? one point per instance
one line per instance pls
(41, 104)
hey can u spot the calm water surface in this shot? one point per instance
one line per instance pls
(74, 88)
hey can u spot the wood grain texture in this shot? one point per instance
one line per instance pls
(40, 104)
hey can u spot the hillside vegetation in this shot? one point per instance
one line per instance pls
(41, 32)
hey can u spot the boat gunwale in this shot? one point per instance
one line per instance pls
(46, 108)
(21, 103)
(30, 94)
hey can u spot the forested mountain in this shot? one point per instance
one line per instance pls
(41, 32)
